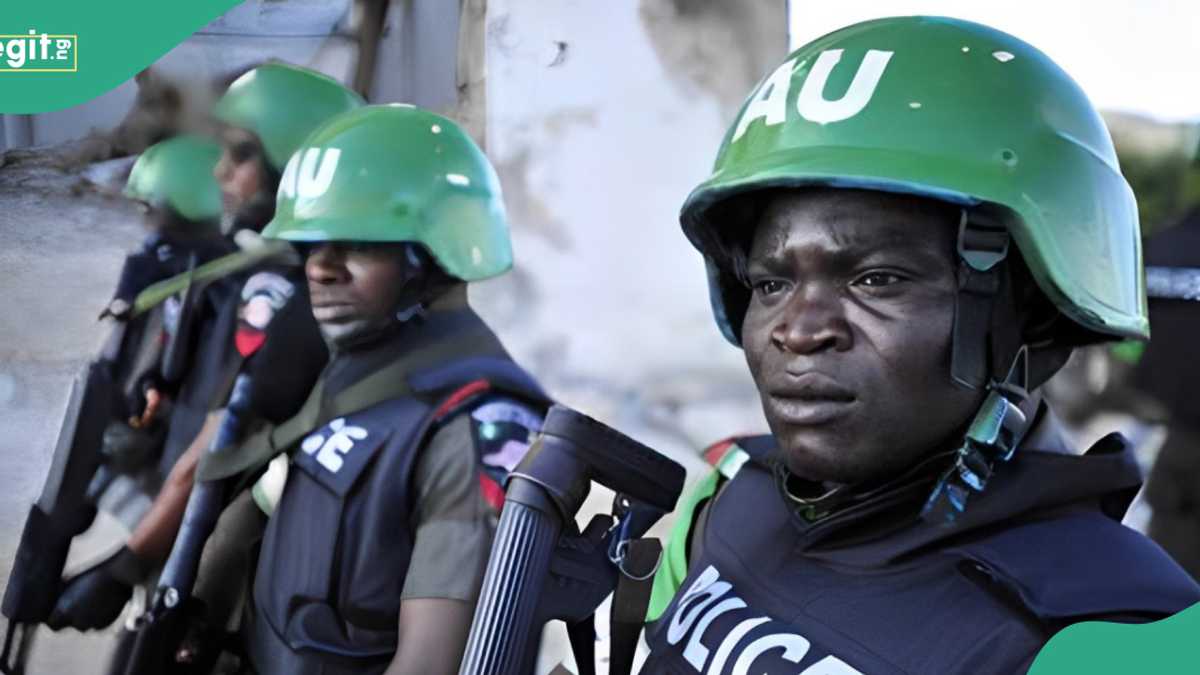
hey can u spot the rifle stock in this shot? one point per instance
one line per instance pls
(536, 531)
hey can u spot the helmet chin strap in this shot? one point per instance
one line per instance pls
(982, 247)
(994, 435)
(1003, 420)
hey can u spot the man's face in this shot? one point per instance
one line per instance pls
(239, 171)
(847, 333)
(354, 287)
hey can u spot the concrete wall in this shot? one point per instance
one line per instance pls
(601, 116)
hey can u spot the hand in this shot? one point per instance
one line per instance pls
(154, 399)
(94, 598)
(201, 644)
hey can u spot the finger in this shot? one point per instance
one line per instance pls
(57, 620)
(153, 400)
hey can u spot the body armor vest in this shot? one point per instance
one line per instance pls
(334, 558)
(757, 599)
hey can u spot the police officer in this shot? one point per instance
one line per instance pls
(254, 319)
(173, 181)
(909, 227)
(376, 549)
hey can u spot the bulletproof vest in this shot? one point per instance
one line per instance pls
(260, 323)
(162, 255)
(336, 551)
(212, 335)
(755, 601)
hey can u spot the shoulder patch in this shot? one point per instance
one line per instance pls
(726, 456)
(263, 295)
(503, 432)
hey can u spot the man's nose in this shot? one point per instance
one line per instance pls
(223, 167)
(326, 264)
(813, 320)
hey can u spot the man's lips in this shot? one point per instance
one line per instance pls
(330, 311)
(808, 399)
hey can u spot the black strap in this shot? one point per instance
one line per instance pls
(583, 644)
(630, 602)
(982, 245)
(275, 250)
(388, 382)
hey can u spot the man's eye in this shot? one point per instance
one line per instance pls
(878, 279)
(243, 152)
(768, 286)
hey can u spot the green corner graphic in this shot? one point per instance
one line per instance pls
(1167, 647)
(90, 47)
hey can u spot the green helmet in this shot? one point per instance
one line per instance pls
(951, 110)
(178, 173)
(282, 104)
(397, 173)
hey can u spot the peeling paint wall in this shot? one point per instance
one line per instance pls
(601, 118)
(717, 47)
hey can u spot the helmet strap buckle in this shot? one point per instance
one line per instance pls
(993, 437)
(982, 241)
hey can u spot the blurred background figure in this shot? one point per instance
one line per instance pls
(1166, 373)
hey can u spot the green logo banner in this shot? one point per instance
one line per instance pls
(60, 53)
(1166, 647)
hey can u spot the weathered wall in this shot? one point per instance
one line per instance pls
(599, 127)
(601, 116)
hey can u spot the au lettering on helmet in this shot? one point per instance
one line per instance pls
(769, 101)
(309, 173)
(390, 173)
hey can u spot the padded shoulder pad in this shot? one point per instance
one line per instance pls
(1083, 565)
(500, 374)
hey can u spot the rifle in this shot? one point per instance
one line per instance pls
(77, 476)
(63, 510)
(161, 629)
(537, 545)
